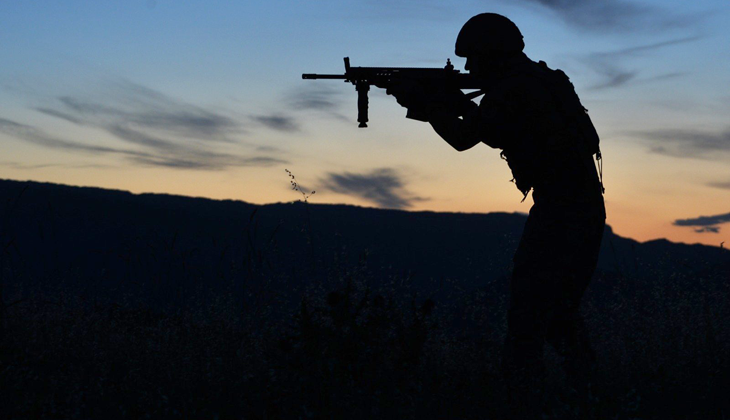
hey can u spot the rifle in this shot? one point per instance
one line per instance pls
(363, 77)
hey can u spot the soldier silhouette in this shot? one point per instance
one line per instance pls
(533, 115)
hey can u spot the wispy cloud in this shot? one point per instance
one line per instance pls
(611, 68)
(640, 49)
(688, 143)
(155, 129)
(134, 105)
(320, 97)
(41, 138)
(278, 122)
(24, 166)
(705, 224)
(384, 187)
(60, 114)
(613, 16)
(398, 10)
(210, 161)
(613, 76)
(159, 153)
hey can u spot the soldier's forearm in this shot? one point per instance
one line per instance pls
(457, 132)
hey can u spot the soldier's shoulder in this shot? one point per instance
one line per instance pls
(527, 84)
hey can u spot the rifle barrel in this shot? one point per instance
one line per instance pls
(323, 76)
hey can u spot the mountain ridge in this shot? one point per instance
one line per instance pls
(56, 233)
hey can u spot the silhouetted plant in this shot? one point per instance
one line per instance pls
(295, 186)
(307, 229)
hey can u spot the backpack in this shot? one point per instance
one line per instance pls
(575, 114)
(570, 107)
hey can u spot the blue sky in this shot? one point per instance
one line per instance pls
(205, 98)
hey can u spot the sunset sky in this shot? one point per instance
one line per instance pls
(205, 98)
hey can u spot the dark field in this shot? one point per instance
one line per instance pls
(121, 306)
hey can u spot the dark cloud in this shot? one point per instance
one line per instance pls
(384, 187)
(610, 65)
(157, 130)
(688, 143)
(268, 149)
(278, 122)
(705, 224)
(723, 185)
(614, 16)
(708, 229)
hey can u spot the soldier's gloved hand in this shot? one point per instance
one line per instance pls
(423, 101)
(453, 101)
(408, 93)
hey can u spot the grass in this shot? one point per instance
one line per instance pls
(350, 352)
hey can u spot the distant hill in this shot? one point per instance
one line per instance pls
(108, 242)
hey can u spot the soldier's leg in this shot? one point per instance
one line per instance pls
(567, 331)
(568, 335)
(522, 361)
(553, 265)
(532, 290)
(525, 326)
(580, 356)
(532, 306)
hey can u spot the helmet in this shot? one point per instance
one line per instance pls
(488, 33)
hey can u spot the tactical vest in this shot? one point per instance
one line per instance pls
(578, 125)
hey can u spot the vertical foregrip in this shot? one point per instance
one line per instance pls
(362, 103)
